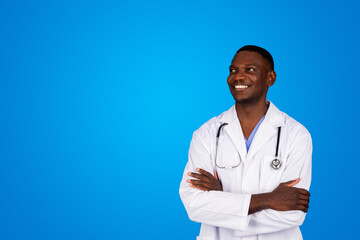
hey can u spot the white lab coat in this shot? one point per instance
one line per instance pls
(224, 215)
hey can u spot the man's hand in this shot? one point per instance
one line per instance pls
(286, 198)
(204, 181)
(283, 198)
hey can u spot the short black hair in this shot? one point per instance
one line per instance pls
(263, 52)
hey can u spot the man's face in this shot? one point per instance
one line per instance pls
(250, 77)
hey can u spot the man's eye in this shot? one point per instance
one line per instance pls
(232, 70)
(251, 69)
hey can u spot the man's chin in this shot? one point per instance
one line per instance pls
(246, 101)
(249, 100)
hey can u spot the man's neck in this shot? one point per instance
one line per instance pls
(250, 114)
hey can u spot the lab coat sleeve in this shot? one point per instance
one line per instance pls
(217, 208)
(298, 165)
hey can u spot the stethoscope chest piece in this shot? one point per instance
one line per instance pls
(276, 164)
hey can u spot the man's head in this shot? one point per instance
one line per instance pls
(263, 52)
(251, 74)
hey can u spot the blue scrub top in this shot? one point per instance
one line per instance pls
(251, 137)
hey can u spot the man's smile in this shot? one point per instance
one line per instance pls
(240, 87)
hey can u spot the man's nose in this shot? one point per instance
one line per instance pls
(239, 75)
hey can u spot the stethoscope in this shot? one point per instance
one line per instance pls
(275, 164)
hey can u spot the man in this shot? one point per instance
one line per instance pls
(249, 169)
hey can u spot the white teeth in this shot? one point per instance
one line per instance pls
(241, 86)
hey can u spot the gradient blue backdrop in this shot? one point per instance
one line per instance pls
(99, 100)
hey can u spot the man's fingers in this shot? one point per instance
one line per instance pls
(303, 202)
(199, 186)
(304, 197)
(291, 183)
(199, 176)
(303, 192)
(199, 182)
(204, 172)
(302, 208)
(202, 175)
(215, 175)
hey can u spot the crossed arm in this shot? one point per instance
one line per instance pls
(283, 198)
(247, 214)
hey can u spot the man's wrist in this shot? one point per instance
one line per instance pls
(259, 202)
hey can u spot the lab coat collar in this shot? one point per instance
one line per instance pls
(268, 128)
(273, 116)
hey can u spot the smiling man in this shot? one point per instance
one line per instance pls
(249, 169)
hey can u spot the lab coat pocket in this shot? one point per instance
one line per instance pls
(270, 177)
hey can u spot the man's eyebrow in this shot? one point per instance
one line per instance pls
(246, 64)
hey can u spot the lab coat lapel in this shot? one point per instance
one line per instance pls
(234, 131)
(267, 129)
(236, 135)
(264, 133)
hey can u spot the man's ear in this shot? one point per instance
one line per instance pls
(272, 78)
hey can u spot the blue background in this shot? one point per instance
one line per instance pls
(99, 99)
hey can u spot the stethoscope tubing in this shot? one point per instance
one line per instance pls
(275, 164)
(277, 142)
